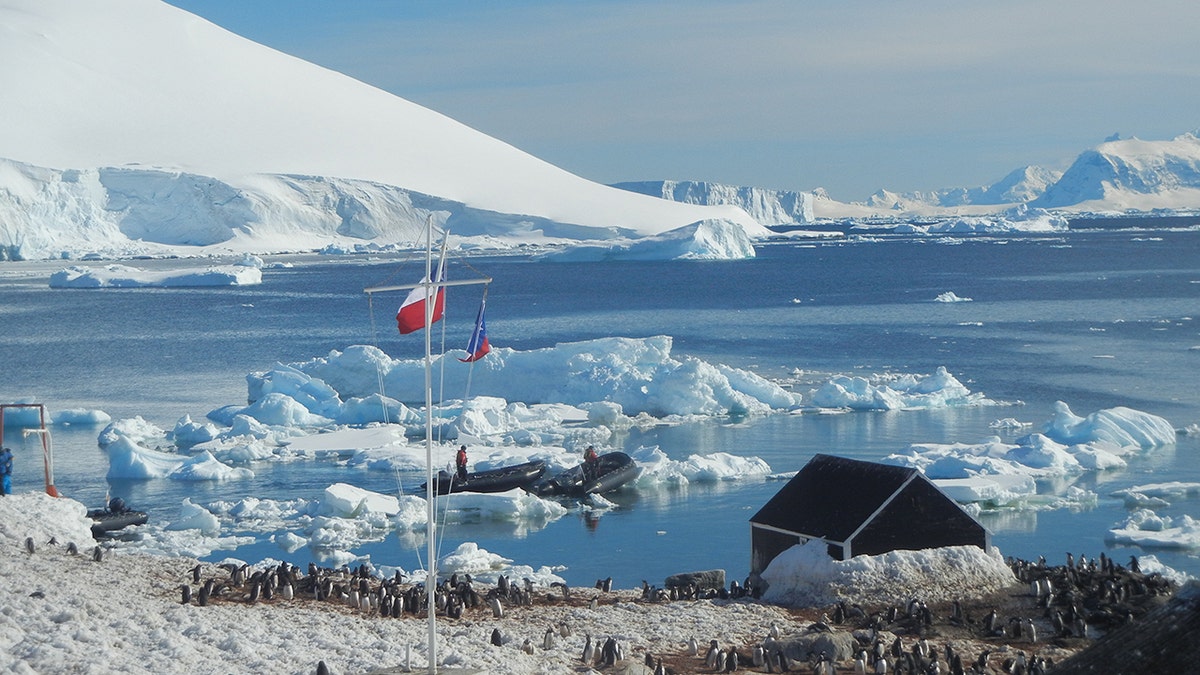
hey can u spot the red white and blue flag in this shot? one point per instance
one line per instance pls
(478, 346)
(411, 316)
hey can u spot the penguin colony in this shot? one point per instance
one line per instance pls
(1077, 600)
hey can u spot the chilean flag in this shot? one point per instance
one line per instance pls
(411, 316)
(478, 346)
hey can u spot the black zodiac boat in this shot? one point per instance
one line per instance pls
(115, 517)
(613, 470)
(494, 480)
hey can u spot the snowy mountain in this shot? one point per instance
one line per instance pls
(1131, 173)
(769, 207)
(1018, 187)
(131, 123)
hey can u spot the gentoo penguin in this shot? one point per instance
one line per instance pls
(564, 630)
(497, 608)
(659, 669)
(322, 669)
(710, 657)
(72, 549)
(719, 666)
(202, 596)
(497, 640)
(692, 647)
(186, 592)
(731, 660)
(196, 574)
(589, 650)
(548, 639)
(881, 666)
(860, 662)
(97, 554)
(29, 547)
(527, 646)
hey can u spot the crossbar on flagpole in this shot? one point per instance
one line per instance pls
(409, 287)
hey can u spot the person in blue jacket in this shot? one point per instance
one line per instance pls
(5, 471)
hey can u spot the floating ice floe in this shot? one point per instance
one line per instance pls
(123, 276)
(657, 468)
(896, 391)
(129, 460)
(805, 576)
(994, 473)
(1147, 529)
(1157, 494)
(79, 417)
(1122, 427)
(714, 239)
(950, 296)
(640, 375)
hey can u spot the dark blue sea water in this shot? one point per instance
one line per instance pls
(1093, 318)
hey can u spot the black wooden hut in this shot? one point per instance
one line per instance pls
(859, 508)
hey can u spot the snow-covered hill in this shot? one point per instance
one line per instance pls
(1018, 187)
(769, 207)
(132, 119)
(1131, 173)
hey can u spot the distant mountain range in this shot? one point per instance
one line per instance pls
(1115, 176)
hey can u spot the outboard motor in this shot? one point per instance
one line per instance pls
(116, 505)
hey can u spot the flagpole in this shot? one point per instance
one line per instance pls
(431, 287)
(430, 511)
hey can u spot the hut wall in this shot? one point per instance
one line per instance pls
(765, 544)
(921, 516)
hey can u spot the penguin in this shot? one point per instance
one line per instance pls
(548, 639)
(731, 660)
(719, 666)
(322, 669)
(659, 669)
(758, 656)
(564, 630)
(288, 591)
(608, 654)
(497, 640)
(692, 647)
(710, 657)
(72, 549)
(774, 631)
(29, 547)
(881, 666)
(497, 608)
(527, 646)
(589, 651)
(97, 554)
(202, 596)
(196, 574)
(186, 592)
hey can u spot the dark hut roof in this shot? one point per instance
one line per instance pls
(1164, 640)
(831, 497)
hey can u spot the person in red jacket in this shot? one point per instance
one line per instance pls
(460, 461)
(591, 463)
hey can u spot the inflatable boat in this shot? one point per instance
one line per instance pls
(494, 480)
(115, 517)
(613, 470)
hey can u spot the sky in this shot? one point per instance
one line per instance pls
(851, 96)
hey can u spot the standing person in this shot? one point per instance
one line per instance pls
(460, 461)
(5, 471)
(591, 463)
